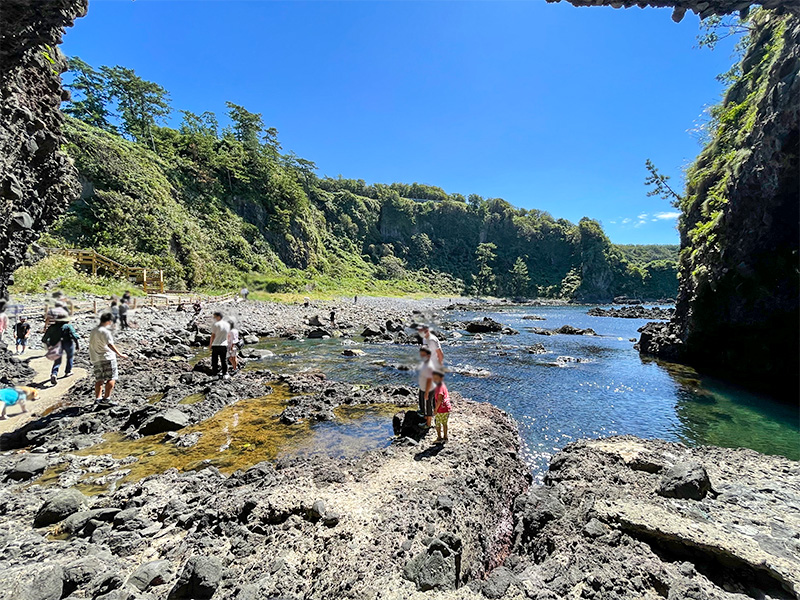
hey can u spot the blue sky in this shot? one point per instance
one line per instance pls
(546, 105)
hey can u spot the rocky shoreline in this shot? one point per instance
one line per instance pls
(633, 312)
(125, 500)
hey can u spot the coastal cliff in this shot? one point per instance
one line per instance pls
(737, 309)
(37, 181)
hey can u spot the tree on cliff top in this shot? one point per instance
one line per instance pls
(141, 103)
(91, 96)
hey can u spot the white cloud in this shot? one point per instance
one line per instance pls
(625, 221)
(642, 216)
(613, 222)
(640, 223)
(663, 216)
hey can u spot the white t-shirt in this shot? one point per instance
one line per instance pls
(425, 373)
(99, 341)
(233, 338)
(433, 344)
(219, 333)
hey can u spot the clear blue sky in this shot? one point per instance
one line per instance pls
(546, 105)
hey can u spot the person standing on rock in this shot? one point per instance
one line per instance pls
(62, 332)
(426, 401)
(233, 346)
(434, 346)
(442, 405)
(244, 293)
(218, 344)
(22, 330)
(103, 355)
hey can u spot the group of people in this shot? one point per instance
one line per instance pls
(224, 344)
(434, 398)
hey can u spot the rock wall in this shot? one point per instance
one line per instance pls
(737, 309)
(37, 181)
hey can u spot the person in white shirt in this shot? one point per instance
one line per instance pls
(432, 343)
(233, 345)
(218, 344)
(103, 355)
(426, 400)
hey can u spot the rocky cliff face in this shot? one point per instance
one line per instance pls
(737, 310)
(37, 182)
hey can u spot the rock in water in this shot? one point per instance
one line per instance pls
(198, 580)
(686, 480)
(28, 467)
(486, 325)
(170, 420)
(59, 506)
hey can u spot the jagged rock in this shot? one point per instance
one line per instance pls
(533, 318)
(685, 480)
(156, 572)
(536, 349)
(409, 424)
(60, 506)
(632, 312)
(169, 420)
(198, 580)
(438, 567)
(486, 325)
(47, 584)
(28, 467)
(319, 333)
(570, 330)
(497, 584)
(372, 330)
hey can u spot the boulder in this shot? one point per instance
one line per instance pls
(319, 333)
(198, 580)
(372, 330)
(353, 352)
(46, 584)
(169, 420)
(570, 330)
(497, 584)
(686, 480)
(486, 325)
(30, 466)
(59, 506)
(394, 325)
(250, 339)
(409, 424)
(317, 321)
(438, 566)
(156, 572)
(536, 349)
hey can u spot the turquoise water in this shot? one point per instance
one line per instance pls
(611, 391)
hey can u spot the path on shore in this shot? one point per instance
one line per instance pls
(48, 395)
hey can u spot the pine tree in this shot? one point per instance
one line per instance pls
(519, 278)
(90, 95)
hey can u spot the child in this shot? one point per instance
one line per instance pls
(123, 315)
(22, 330)
(114, 312)
(16, 395)
(443, 407)
(426, 386)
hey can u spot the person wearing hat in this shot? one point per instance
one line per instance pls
(21, 332)
(61, 333)
(432, 343)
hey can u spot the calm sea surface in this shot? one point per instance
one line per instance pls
(612, 390)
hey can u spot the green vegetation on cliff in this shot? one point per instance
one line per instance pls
(218, 207)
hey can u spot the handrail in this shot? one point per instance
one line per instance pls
(152, 282)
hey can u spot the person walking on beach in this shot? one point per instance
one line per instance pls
(426, 402)
(244, 293)
(218, 344)
(126, 298)
(114, 312)
(432, 343)
(62, 333)
(103, 355)
(123, 315)
(442, 406)
(333, 318)
(22, 330)
(233, 346)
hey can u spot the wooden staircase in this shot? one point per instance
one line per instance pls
(150, 280)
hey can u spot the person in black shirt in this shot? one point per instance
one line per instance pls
(21, 332)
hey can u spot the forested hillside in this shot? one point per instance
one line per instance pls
(216, 207)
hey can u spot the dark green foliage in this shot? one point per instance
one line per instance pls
(218, 208)
(90, 96)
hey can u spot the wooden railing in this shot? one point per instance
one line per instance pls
(151, 280)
